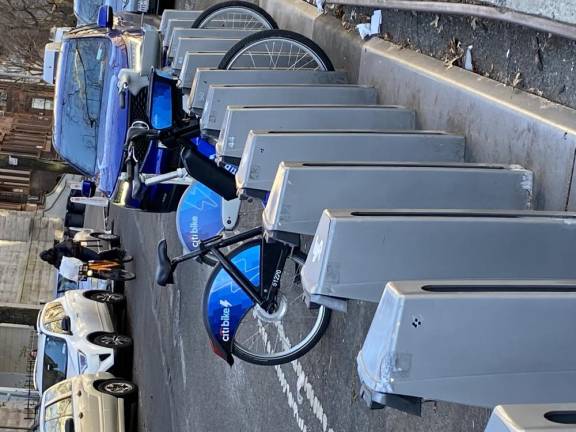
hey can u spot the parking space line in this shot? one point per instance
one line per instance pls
(292, 403)
(301, 383)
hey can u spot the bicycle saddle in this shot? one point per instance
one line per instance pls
(207, 172)
(164, 267)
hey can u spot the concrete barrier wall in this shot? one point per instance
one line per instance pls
(501, 124)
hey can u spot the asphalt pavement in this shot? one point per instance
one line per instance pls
(185, 387)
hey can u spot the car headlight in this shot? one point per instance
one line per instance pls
(82, 362)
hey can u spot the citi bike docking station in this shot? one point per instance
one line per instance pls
(205, 77)
(265, 150)
(302, 190)
(194, 60)
(547, 417)
(482, 343)
(240, 120)
(220, 96)
(199, 45)
(401, 245)
(229, 15)
(184, 35)
(178, 15)
(263, 50)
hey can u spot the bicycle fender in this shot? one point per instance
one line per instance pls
(199, 216)
(226, 304)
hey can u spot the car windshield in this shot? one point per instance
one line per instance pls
(52, 318)
(81, 98)
(55, 362)
(58, 390)
(87, 10)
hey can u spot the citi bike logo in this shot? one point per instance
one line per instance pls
(225, 320)
(194, 227)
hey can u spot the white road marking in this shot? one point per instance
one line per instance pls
(302, 382)
(182, 360)
(292, 404)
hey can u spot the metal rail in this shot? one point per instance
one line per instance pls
(489, 12)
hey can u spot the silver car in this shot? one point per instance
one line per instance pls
(86, 403)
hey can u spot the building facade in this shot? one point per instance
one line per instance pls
(25, 132)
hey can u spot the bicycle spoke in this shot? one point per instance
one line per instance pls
(276, 53)
(237, 18)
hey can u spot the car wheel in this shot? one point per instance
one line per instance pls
(117, 387)
(105, 297)
(111, 340)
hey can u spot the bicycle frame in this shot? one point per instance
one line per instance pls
(272, 259)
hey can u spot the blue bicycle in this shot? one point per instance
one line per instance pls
(254, 308)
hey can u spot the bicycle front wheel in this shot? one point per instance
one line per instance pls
(276, 50)
(258, 337)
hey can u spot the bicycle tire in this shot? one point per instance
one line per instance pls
(297, 351)
(236, 50)
(234, 4)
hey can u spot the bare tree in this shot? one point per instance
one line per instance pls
(25, 26)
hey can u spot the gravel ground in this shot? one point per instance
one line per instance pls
(529, 60)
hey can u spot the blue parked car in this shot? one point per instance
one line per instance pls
(93, 112)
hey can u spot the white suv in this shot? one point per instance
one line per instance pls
(86, 403)
(76, 335)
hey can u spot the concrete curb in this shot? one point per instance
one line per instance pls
(301, 16)
(501, 124)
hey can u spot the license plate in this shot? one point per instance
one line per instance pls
(143, 5)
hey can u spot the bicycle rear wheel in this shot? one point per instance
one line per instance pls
(235, 15)
(276, 50)
(256, 336)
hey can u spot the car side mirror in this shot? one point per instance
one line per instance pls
(69, 425)
(105, 17)
(162, 101)
(65, 324)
